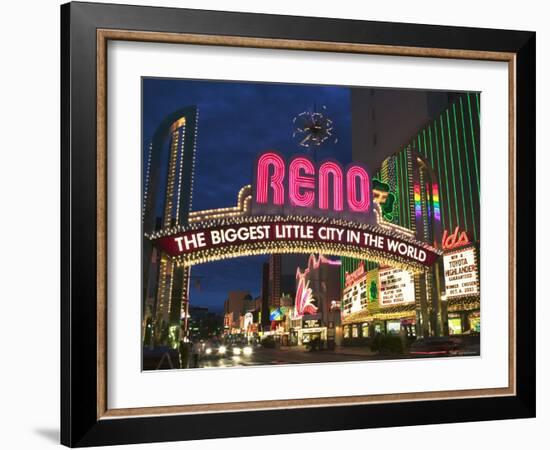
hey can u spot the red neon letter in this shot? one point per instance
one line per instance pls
(355, 204)
(326, 169)
(263, 180)
(297, 182)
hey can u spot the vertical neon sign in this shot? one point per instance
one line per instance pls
(435, 198)
(417, 202)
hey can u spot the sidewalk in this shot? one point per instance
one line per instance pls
(351, 351)
(356, 351)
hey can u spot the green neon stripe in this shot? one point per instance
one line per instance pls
(434, 169)
(409, 195)
(425, 142)
(468, 170)
(406, 215)
(478, 111)
(439, 180)
(473, 147)
(346, 266)
(447, 191)
(403, 192)
(419, 144)
(343, 271)
(473, 143)
(452, 166)
(406, 184)
(403, 220)
(431, 148)
(398, 189)
(460, 168)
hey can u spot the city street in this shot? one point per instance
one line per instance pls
(168, 359)
(286, 355)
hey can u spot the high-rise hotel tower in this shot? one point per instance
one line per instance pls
(169, 159)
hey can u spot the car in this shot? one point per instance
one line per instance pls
(240, 349)
(435, 346)
(214, 349)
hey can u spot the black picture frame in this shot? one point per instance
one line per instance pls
(80, 424)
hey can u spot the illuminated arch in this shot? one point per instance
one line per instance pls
(166, 240)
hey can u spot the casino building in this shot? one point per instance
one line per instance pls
(316, 313)
(430, 187)
(166, 203)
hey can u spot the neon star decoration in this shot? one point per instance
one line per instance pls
(313, 129)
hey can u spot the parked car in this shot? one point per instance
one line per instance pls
(435, 346)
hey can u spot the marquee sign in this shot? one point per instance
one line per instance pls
(396, 286)
(461, 278)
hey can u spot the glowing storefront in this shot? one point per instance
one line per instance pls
(430, 185)
(380, 300)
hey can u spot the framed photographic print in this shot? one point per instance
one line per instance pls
(277, 224)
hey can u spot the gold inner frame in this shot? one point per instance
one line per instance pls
(104, 35)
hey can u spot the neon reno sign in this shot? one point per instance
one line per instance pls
(303, 184)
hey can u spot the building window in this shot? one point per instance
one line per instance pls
(475, 323)
(455, 325)
(393, 326)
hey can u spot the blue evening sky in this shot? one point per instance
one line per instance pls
(238, 120)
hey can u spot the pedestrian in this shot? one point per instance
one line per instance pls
(183, 354)
(196, 350)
